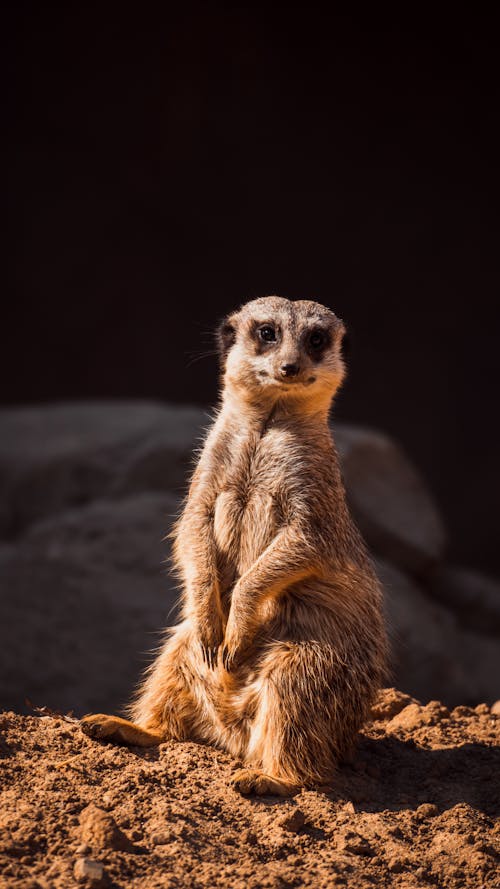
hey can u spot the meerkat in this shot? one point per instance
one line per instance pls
(281, 646)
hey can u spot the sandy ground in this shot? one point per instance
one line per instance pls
(415, 808)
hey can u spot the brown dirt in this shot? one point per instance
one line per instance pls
(415, 808)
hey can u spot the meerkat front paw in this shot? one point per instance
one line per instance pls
(210, 636)
(254, 781)
(236, 639)
(210, 639)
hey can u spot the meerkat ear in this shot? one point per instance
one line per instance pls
(340, 329)
(226, 335)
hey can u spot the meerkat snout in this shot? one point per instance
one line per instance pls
(289, 370)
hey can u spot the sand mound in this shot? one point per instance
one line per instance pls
(415, 808)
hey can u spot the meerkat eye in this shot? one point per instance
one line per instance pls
(317, 339)
(267, 333)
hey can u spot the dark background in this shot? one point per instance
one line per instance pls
(161, 172)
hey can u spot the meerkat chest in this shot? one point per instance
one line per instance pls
(248, 509)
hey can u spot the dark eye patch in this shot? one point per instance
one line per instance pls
(317, 340)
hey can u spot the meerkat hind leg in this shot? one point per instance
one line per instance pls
(255, 781)
(101, 727)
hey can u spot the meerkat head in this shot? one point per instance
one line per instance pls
(275, 348)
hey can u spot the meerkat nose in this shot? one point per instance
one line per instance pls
(289, 370)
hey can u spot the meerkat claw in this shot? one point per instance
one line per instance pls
(209, 655)
(227, 659)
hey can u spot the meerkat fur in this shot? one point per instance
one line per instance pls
(281, 646)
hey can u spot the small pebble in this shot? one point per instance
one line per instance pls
(426, 810)
(482, 709)
(292, 821)
(358, 846)
(99, 830)
(395, 865)
(348, 808)
(390, 702)
(462, 711)
(249, 837)
(161, 838)
(90, 871)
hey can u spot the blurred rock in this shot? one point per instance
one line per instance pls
(63, 455)
(84, 600)
(434, 657)
(59, 456)
(88, 491)
(474, 598)
(389, 499)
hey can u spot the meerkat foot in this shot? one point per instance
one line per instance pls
(254, 781)
(101, 727)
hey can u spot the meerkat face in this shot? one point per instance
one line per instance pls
(273, 346)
